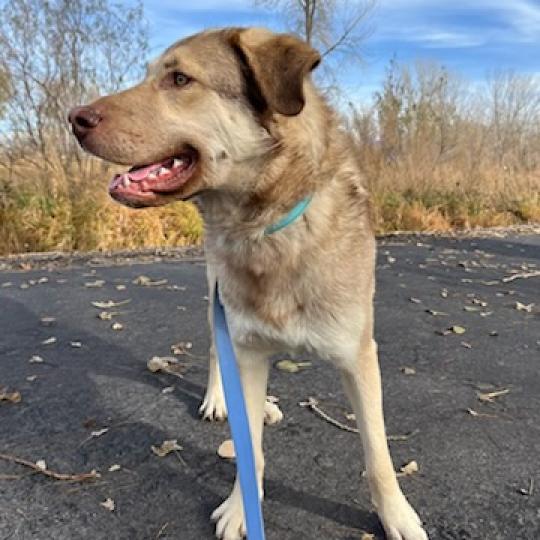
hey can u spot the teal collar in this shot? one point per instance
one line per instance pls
(293, 215)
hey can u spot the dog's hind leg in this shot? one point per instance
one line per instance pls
(254, 367)
(362, 384)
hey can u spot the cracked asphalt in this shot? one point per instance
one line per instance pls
(467, 406)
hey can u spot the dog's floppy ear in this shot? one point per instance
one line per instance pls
(278, 65)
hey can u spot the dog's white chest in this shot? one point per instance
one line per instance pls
(329, 338)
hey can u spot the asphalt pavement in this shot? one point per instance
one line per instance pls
(458, 323)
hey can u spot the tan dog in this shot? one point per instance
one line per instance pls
(231, 118)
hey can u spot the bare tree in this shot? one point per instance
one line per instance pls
(56, 54)
(514, 116)
(337, 28)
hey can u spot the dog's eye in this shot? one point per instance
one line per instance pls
(180, 79)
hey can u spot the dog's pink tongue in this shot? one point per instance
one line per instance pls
(142, 173)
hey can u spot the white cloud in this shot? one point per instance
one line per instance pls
(422, 21)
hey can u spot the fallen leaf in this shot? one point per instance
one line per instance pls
(41, 464)
(226, 450)
(408, 469)
(466, 345)
(157, 363)
(471, 309)
(489, 397)
(182, 347)
(166, 448)
(457, 329)
(444, 293)
(31, 378)
(408, 370)
(529, 491)
(76, 344)
(95, 284)
(350, 416)
(36, 359)
(167, 390)
(524, 307)
(114, 468)
(12, 397)
(117, 326)
(290, 366)
(110, 304)
(415, 300)
(120, 287)
(145, 281)
(49, 341)
(108, 504)
(99, 432)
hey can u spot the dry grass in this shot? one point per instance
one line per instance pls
(436, 158)
(45, 215)
(403, 203)
(54, 214)
(440, 156)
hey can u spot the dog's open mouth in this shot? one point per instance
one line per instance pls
(143, 186)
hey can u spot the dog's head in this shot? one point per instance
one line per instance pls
(200, 119)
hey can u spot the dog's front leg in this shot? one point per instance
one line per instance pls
(362, 383)
(254, 368)
(213, 406)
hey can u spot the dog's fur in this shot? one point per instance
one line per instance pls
(266, 139)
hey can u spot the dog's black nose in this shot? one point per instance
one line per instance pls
(83, 119)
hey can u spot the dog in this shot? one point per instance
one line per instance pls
(231, 119)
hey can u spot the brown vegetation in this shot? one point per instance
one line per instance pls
(438, 154)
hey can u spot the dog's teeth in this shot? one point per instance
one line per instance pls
(162, 171)
(152, 176)
(126, 181)
(177, 163)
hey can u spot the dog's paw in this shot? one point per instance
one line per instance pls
(229, 518)
(213, 407)
(399, 520)
(272, 413)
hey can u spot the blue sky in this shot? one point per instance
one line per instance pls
(474, 37)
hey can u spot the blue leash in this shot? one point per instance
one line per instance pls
(238, 421)
(236, 405)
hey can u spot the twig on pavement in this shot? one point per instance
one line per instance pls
(80, 477)
(523, 275)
